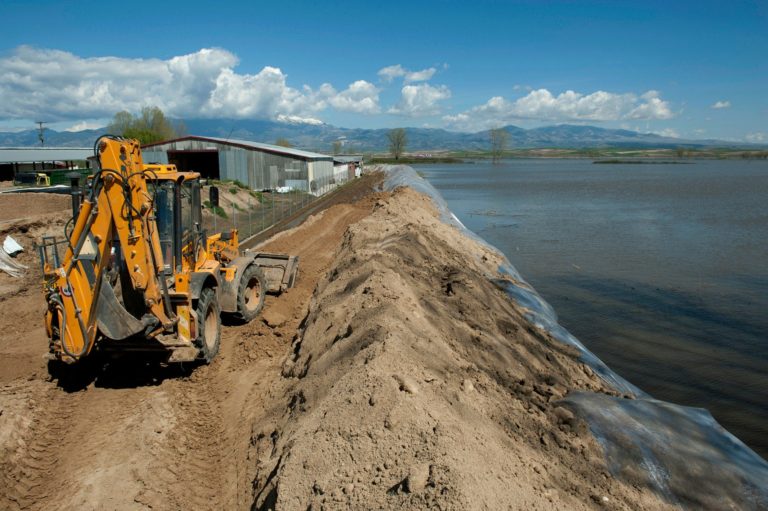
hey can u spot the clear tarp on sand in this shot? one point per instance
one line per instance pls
(682, 452)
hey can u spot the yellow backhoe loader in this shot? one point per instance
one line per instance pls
(140, 274)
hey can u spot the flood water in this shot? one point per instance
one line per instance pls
(661, 270)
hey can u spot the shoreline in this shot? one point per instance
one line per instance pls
(671, 156)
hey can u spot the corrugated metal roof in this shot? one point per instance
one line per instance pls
(247, 144)
(30, 154)
(348, 158)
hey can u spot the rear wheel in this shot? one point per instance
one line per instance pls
(209, 325)
(250, 293)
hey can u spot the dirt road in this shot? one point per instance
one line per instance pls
(130, 437)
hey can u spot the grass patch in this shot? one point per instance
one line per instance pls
(229, 182)
(216, 210)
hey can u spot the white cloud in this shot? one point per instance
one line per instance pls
(420, 76)
(86, 125)
(758, 137)
(420, 100)
(721, 104)
(57, 85)
(389, 73)
(360, 97)
(295, 119)
(542, 105)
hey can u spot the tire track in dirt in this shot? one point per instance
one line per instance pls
(30, 430)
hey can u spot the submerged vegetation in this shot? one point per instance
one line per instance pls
(646, 161)
(607, 155)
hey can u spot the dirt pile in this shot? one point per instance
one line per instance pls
(416, 383)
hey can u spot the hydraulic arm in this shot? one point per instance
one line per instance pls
(118, 209)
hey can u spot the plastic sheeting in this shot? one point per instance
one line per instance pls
(11, 246)
(10, 266)
(681, 452)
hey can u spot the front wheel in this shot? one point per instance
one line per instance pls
(250, 293)
(209, 325)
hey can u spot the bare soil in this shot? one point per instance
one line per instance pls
(394, 375)
(128, 437)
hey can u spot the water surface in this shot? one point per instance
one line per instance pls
(661, 270)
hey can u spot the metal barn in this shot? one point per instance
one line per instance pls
(260, 166)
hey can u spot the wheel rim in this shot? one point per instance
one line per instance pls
(211, 325)
(252, 293)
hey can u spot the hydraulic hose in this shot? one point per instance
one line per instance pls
(62, 329)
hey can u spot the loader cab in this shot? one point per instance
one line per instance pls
(178, 215)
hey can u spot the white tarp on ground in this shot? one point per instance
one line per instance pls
(681, 452)
(11, 246)
(7, 264)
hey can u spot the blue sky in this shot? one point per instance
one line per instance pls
(691, 69)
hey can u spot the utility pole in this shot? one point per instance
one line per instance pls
(41, 132)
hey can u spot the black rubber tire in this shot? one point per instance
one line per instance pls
(250, 293)
(209, 325)
(56, 369)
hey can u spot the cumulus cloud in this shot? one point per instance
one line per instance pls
(758, 137)
(360, 97)
(389, 73)
(721, 104)
(58, 85)
(420, 100)
(542, 105)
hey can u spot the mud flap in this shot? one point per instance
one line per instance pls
(112, 319)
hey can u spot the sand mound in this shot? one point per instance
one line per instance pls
(419, 384)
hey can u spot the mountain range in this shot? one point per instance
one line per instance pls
(320, 137)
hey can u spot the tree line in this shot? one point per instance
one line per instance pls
(151, 125)
(148, 126)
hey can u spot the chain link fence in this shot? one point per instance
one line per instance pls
(251, 212)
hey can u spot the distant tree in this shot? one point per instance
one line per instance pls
(499, 138)
(283, 142)
(337, 147)
(397, 142)
(151, 125)
(121, 122)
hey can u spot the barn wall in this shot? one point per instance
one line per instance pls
(260, 170)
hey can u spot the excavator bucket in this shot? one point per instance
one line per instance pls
(113, 320)
(280, 270)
